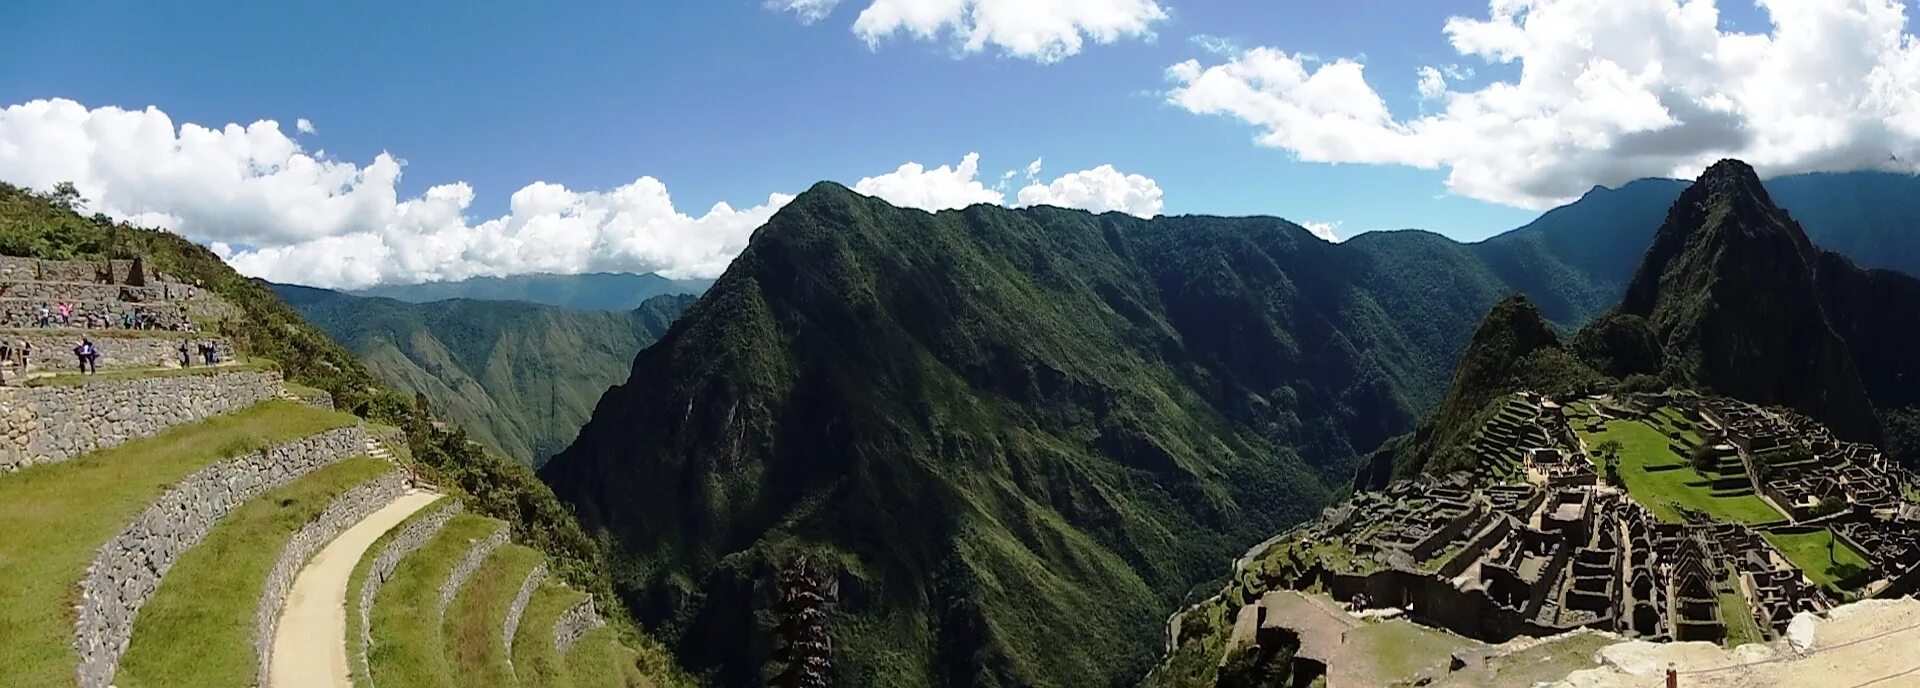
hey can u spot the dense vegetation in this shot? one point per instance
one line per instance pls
(600, 291)
(520, 377)
(46, 226)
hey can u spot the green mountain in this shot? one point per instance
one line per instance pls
(600, 291)
(1018, 436)
(521, 377)
(1732, 298)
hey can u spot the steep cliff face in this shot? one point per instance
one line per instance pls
(1729, 289)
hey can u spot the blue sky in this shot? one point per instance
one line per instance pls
(731, 100)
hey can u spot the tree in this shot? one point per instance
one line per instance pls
(1610, 458)
(1704, 458)
(804, 651)
(66, 196)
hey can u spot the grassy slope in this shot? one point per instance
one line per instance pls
(1660, 479)
(474, 646)
(598, 661)
(521, 377)
(357, 581)
(33, 225)
(534, 660)
(1809, 552)
(197, 630)
(407, 635)
(54, 517)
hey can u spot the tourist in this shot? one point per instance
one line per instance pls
(89, 356)
(186, 361)
(213, 352)
(66, 314)
(46, 316)
(26, 355)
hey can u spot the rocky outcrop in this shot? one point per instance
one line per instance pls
(127, 570)
(347, 509)
(418, 530)
(519, 607)
(59, 422)
(573, 623)
(476, 556)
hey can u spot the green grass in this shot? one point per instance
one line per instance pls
(407, 640)
(75, 379)
(1661, 479)
(534, 659)
(474, 645)
(358, 580)
(53, 517)
(1809, 552)
(598, 661)
(1734, 612)
(1398, 649)
(197, 629)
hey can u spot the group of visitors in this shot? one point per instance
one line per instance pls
(62, 314)
(89, 356)
(209, 352)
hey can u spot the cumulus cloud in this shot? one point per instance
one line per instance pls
(1039, 30)
(1101, 189)
(303, 125)
(1324, 230)
(273, 210)
(1832, 85)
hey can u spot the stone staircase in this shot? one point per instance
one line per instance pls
(163, 527)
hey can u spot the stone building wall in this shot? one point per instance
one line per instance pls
(127, 570)
(16, 312)
(519, 607)
(573, 623)
(56, 423)
(347, 509)
(411, 537)
(53, 350)
(51, 293)
(464, 570)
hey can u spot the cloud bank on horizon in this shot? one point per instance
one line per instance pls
(276, 211)
(1835, 85)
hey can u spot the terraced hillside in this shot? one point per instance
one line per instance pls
(208, 523)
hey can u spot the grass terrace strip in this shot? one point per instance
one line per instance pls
(198, 629)
(407, 640)
(535, 661)
(478, 616)
(77, 379)
(598, 661)
(53, 518)
(429, 520)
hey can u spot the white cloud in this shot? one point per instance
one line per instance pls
(1039, 30)
(275, 211)
(809, 11)
(1324, 230)
(1834, 85)
(303, 125)
(1101, 189)
(941, 188)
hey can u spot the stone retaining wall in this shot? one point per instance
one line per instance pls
(96, 315)
(129, 271)
(411, 537)
(573, 623)
(56, 423)
(346, 510)
(127, 570)
(519, 606)
(52, 293)
(464, 570)
(53, 349)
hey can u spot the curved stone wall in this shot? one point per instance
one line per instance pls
(411, 537)
(519, 606)
(464, 570)
(347, 509)
(56, 423)
(127, 569)
(573, 623)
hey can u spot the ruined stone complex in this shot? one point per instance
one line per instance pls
(1695, 527)
(148, 476)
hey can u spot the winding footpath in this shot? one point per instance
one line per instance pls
(309, 649)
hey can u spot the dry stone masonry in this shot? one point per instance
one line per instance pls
(127, 570)
(464, 570)
(56, 423)
(347, 509)
(53, 348)
(411, 537)
(519, 606)
(574, 623)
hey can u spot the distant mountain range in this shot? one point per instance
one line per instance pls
(601, 291)
(520, 377)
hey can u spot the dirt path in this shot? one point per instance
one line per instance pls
(309, 649)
